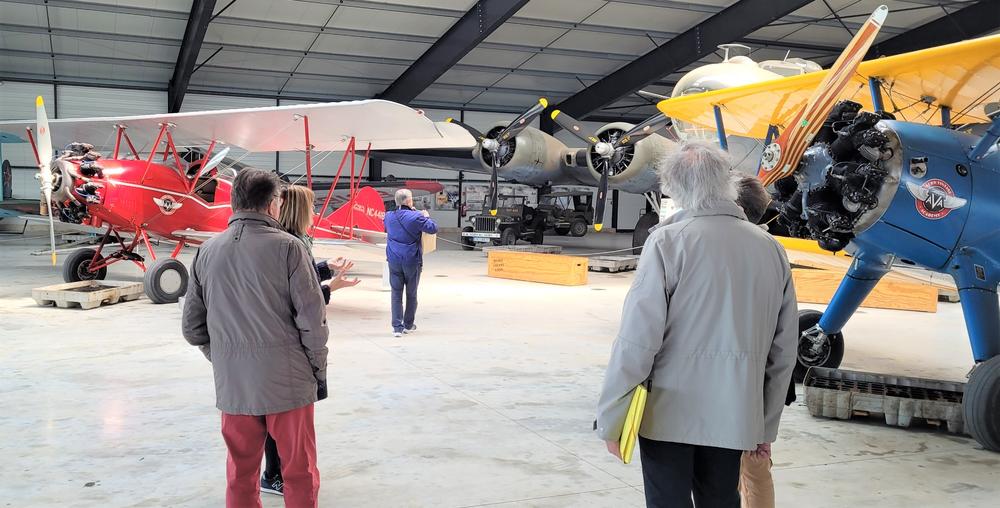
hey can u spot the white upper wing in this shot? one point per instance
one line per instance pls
(386, 125)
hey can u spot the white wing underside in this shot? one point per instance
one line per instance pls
(355, 250)
(386, 125)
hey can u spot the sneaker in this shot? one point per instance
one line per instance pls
(410, 329)
(397, 334)
(272, 486)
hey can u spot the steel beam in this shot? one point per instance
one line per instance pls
(187, 57)
(973, 21)
(477, 24)
(733, 23)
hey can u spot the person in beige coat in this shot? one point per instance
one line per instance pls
(711, 320)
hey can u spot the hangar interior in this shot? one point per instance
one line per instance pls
(491, 403)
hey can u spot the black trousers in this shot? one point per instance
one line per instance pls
(272, 463)
(674, 473)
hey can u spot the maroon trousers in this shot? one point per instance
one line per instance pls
(295, 435)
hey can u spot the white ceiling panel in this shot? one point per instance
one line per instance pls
(470, 77)
(260, 37)
(572, 64)
(510, 33)
(330, 42)
(87, 20)
(306, 86)
(24, 42)
(227, 58)
(392, 22)
(495, 58)
(67, 69)
(168, 5)
(22, 14)
(644, 17)
(114, 49)
(610, 43)
(544, 86)
(21, 65)
(856, 11)
(284, 11)
(344, 68)
(560, 10)
(508, 99)
(229, 79)
(434, 93)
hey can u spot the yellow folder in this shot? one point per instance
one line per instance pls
(630, 431)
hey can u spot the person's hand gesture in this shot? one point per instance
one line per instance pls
(340, 281)
(425, 213)
(340, 264)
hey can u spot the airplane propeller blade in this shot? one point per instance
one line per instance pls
(602, 198)
(572, 125)
(643, 129)
(524, 120)
(44, 167)
(494, 185)
(472, 130)
(782, 157)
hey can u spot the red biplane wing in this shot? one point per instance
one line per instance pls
(386, 125)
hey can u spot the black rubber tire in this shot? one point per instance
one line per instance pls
(981, 404)
(641, 231)
(75, 267)
(562, 231)
(467, 243)
(508, 236)
(153, 278)
(834, 347)
(578, 227)
(538, 237)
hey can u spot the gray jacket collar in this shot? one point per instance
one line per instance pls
(731, 209)
(254, 216)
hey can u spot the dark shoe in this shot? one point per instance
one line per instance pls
(272, 485)
(410, 329)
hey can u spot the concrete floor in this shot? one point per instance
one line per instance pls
(490, 403)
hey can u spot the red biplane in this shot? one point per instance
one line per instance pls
(180, 194)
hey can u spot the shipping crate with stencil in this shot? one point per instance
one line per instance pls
(531, 267)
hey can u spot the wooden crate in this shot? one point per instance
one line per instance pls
(537, 249)
(532, 267)
(613, 264)
(818, 286)
(87, 294)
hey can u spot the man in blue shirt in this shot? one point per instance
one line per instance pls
(404, 228)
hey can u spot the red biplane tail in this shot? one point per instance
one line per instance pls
(365, 212)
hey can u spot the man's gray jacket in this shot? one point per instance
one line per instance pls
(255, 308)
(712, 318)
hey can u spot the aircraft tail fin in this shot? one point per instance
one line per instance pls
(366, 211)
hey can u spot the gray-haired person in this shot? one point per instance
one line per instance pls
(404, 227)
(711, 319)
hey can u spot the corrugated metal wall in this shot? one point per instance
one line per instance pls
(200, 102)
(17, 102)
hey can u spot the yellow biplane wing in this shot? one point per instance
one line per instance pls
(961, 76)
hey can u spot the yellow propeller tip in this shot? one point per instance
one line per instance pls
(555, 114)
(39, 101)
(493, 212)
(597, 227)
(449, 119)
(543, 101)
(53, 259)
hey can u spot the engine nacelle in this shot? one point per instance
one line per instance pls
(532, 157)
(632, 168)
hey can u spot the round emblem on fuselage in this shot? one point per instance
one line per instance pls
(935, 199)
(167, 203)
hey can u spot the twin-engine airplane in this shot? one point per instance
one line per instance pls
(183, 195)
(617, 155)
(917, 191)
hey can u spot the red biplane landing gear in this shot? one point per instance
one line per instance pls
(76, 268)
(165, 281)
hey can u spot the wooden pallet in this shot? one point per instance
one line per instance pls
(613, 264)
(87, 294)
(537, 249)
(532, 267)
